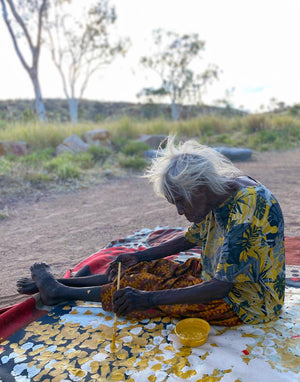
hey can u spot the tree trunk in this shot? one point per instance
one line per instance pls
(176, 110)
(39, 104)
(73, 109)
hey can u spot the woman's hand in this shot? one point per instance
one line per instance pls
(127, 260)
(129, 299)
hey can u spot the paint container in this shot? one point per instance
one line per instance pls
(192, 331)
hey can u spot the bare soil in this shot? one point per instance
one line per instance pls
(62, 228)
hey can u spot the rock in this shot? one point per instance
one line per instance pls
(153, 141)
(98, 137)
(234, 153)
(13, 147)
(73, 144)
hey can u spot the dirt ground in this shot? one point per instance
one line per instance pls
(63, 228)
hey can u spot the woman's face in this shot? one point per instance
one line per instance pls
(202, 202)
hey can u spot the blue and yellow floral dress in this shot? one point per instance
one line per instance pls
(242, 242)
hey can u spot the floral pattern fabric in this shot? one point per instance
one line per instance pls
(242, 242)
(166, 274)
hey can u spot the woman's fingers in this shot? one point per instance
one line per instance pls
(124, 301)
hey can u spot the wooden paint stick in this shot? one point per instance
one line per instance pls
(113, 342)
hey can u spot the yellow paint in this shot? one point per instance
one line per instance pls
(185, 374)
(184, 352)
(152, 378)
(205, 355)
(156, 367)
(214, 345)
(117, 376)
(88, 312)
(169, 347)
(246, 360)
(76, 372)
(88, 291)
(66, 307)
(74, 311)
(143, 363)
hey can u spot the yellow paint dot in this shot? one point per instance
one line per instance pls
(156, 367)
(117, 376)
(186, 374)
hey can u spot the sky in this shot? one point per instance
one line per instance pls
(255, 43)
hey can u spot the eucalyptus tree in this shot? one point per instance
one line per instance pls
(175, 61)
(81, 43)
(25, 20)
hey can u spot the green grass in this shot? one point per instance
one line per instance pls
(260, 132)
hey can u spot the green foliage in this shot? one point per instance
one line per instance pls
(4, 213)
(36, 158)
(172, 60)
(63, 167)
(100, 154)
(84, 160)
(255, 123)
(132, 162)
(135, 148)
(37, 178)
(28, 115)
(5, 165)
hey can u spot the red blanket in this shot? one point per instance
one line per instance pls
(17, 316)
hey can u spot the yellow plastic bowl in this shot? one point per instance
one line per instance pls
(192, 331)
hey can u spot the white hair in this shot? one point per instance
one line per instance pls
(183, 168)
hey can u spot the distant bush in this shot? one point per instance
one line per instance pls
(5, 165)
(36, 158)
(255, 123)
(132, 162)
(135, 148)
(63, 167)
(37, 178)
(100, 154)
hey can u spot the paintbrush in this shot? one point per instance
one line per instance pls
(113, 342)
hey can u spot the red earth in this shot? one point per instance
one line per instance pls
(63, 228)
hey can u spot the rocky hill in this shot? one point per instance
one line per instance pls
(57, 109)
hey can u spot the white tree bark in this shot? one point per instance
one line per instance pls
(34, 49)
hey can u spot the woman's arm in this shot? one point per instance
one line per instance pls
(129, 299)
(168, 248)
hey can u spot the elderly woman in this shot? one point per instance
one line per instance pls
(237, 222)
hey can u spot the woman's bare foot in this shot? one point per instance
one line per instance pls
(52, 292)
(26, 286)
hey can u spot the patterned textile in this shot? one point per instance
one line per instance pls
(243, 242)
(167, 274)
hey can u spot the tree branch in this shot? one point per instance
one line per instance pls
(11, 32)
(20, 22)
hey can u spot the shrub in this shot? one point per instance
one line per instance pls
(38, 157)
(36, 178)
(63, 167)
(133, 162)
(100, 154)
(84, 160)
(255, 123)
(5, 166)
(135, 148)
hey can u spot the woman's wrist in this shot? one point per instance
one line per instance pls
(142, 256)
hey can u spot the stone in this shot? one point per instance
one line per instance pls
(13, 147)
(235, 153)
(153, 141)
(73, 144)
(98, 137)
